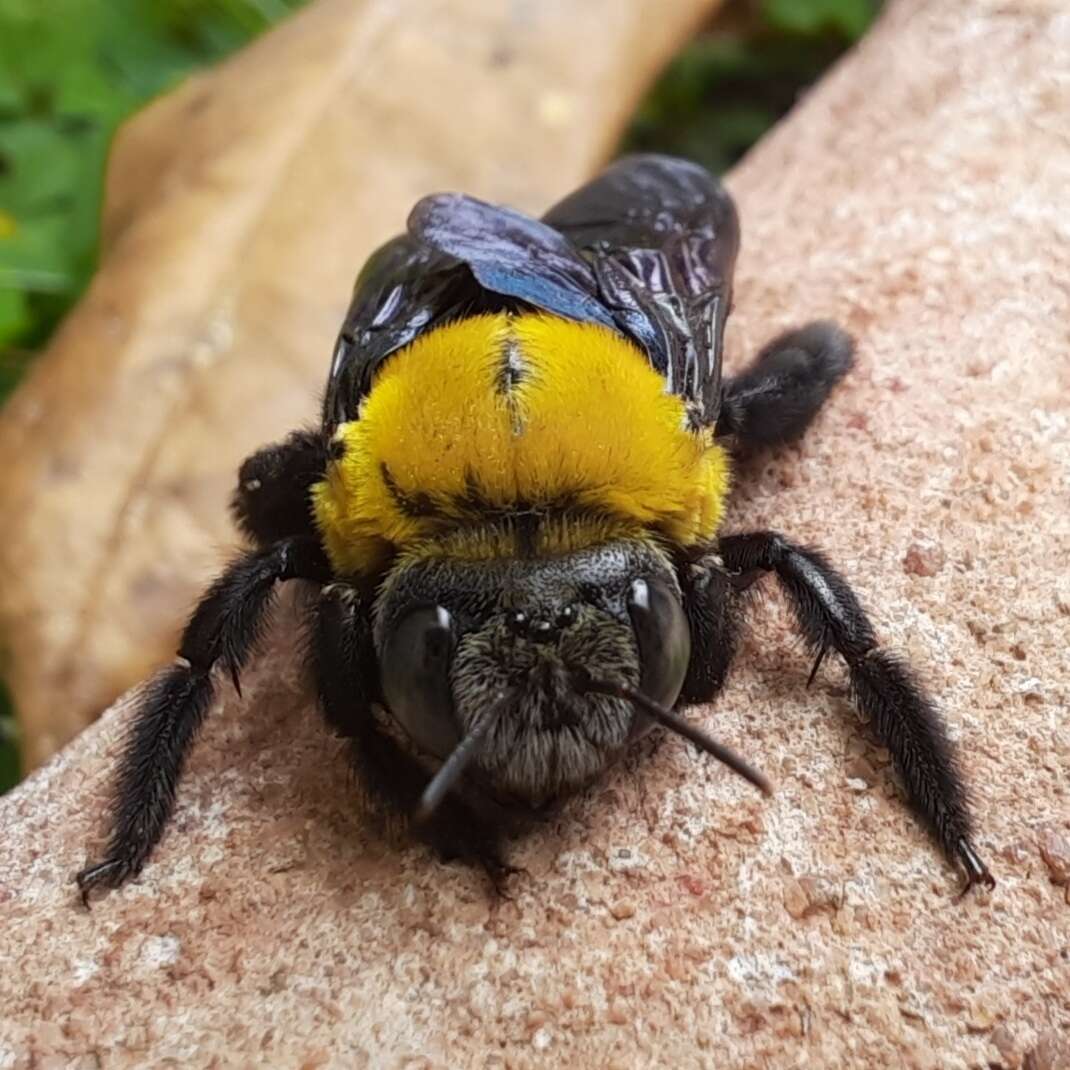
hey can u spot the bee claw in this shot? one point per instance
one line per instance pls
(499, 873)
(976, 871)
(108, 874)
(817, 665)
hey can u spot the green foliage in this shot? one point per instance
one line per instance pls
(847, 19)
(733, 82)
(72, 70)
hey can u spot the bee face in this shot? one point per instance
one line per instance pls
(553, 738)
(457, 639)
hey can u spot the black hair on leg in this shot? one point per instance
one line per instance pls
(223, 630)
(346, 679)
(273, 498)
(712, 607)
(774, 400)
(830, 615)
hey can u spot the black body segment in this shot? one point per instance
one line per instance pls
(647, 248)
(223, 631)
(773, 401)
(885, 690)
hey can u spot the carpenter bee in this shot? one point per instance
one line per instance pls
(512, 509)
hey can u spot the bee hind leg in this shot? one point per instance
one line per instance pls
(885, 690)
(775, 399)
(346, 680)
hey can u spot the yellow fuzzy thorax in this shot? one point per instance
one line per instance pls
(504, 416)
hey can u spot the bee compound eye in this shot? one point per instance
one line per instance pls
(415, 674)
(663, 637)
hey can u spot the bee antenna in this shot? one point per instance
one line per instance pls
(583, 682)
(452, 769)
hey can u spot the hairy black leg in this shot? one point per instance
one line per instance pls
(347, 682)
(223, 630)
(712, 606)
(273, 498)
(774, 400)
(830, 615)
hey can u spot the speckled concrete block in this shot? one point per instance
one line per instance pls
(671, 917)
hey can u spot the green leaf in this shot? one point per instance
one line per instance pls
(41, 165)
(811, 18)
(14, 319)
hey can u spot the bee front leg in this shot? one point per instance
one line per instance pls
(347, 682)
(713, 608)
(830, 615)
(223, 630)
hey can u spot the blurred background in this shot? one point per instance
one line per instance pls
(72, 70)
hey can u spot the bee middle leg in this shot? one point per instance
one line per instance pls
(774, 400)
(346, 680)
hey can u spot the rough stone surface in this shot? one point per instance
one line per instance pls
(671, 917)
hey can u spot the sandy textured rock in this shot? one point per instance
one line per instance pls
(238, 211)
(671, 917)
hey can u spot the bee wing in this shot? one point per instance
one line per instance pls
(662, 235)
(403, 290)
(512, 255)
(647, 248)
(461, 256)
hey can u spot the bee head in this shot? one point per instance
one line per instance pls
(511, 659)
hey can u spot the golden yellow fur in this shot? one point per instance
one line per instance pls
(516, 412)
